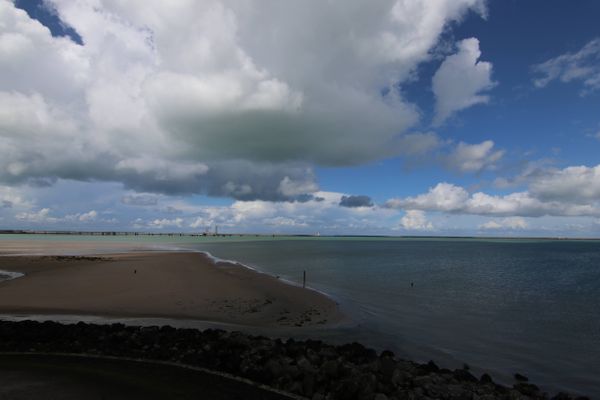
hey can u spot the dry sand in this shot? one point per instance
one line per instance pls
(159, 284)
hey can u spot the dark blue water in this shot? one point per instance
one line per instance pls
(502, 306)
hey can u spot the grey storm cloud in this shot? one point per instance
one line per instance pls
(231, 110)
(356, 201)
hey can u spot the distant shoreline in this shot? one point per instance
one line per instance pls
(275, 235)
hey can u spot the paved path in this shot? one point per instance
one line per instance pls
(36, 377)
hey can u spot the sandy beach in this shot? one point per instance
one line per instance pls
(159, 284)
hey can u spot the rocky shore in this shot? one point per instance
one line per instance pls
(312, 369)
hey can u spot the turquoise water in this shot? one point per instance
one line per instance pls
(502, 306)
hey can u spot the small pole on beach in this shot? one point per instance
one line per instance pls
(304, 279)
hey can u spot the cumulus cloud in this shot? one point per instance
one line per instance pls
(572, 191)
(415, 220)
(164, 222)
(473, 157)
(13, 198)
(582, 66)
(291, 188)
(44, 216)
(356, 201)
(460, 81)
(577, 184)
(40, 216)
(442, 197)
(286, 222)
(512, 223)
(88, 216)
(211, 97)
(321, 213)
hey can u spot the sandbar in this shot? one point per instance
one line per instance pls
(186, 285)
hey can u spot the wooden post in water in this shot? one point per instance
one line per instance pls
(304, 279)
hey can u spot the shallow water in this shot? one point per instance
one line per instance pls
(8, 275)
(502, 306)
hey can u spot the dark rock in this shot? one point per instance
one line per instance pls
(561, 396)
(457, 392)
(521, 378)
(274, 368)
(527, 389)
(423, 380)
(308, 385)
(464, 375)
(428, 368)
(400, 377)
(295, 387)
(514, 394)
(330, 368)
(345, 389)
(485, 378)
(305, 366)
(387, 353)
(387, 365)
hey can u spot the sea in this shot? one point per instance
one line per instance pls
(500, 306)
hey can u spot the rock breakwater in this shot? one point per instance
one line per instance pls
(312, 369)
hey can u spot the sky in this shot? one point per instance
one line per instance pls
(394, 117)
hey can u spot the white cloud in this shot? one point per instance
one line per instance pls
(41, 216)
(460, 80)
(321, 213)
(88, 216)
(573, 191)
(415, 220)
(165, 223)
(583, 66)
(14, 199)
(512, 223)
(577, 184)
(203, 97)
(473, 157)
(443, 197)
(290, 188)
(285, 222)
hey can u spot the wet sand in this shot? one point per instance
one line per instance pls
(159, 284)
(53, 245)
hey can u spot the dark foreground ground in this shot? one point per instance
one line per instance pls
(37, 377)
(311, 369)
